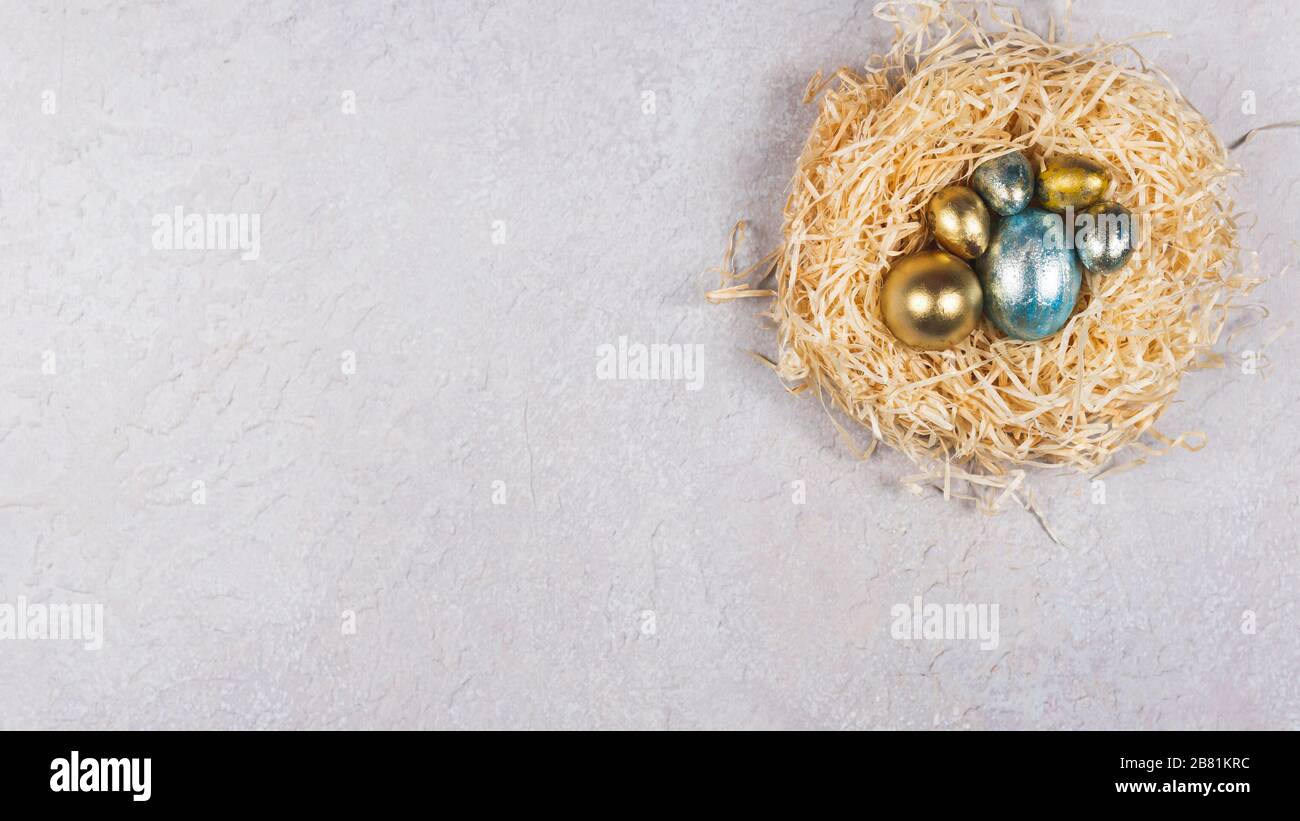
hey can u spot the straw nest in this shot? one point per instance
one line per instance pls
(960, 85)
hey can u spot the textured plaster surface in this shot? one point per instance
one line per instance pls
(500, 204)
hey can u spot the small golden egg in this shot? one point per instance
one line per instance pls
(960, 221)
(1070, 180)
(931, 300)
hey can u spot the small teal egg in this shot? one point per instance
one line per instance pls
(1030, 277)
(1006, 183)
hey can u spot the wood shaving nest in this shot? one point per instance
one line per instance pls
(961, 84)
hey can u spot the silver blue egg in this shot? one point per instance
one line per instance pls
(1104, 237)
(1030, 275)
(1006, 183)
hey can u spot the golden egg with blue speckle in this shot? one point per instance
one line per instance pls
(960, 221)
(1073, 181)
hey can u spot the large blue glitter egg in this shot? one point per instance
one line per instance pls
(1030, 276)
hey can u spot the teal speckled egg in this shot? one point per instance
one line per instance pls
(1006, 183)
(1030, 277)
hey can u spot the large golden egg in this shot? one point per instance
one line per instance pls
(960, 221)
(1073, 181)
(931, 300)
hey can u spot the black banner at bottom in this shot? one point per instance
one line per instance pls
(143, 771)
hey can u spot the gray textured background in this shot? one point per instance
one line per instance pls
(372, 492)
